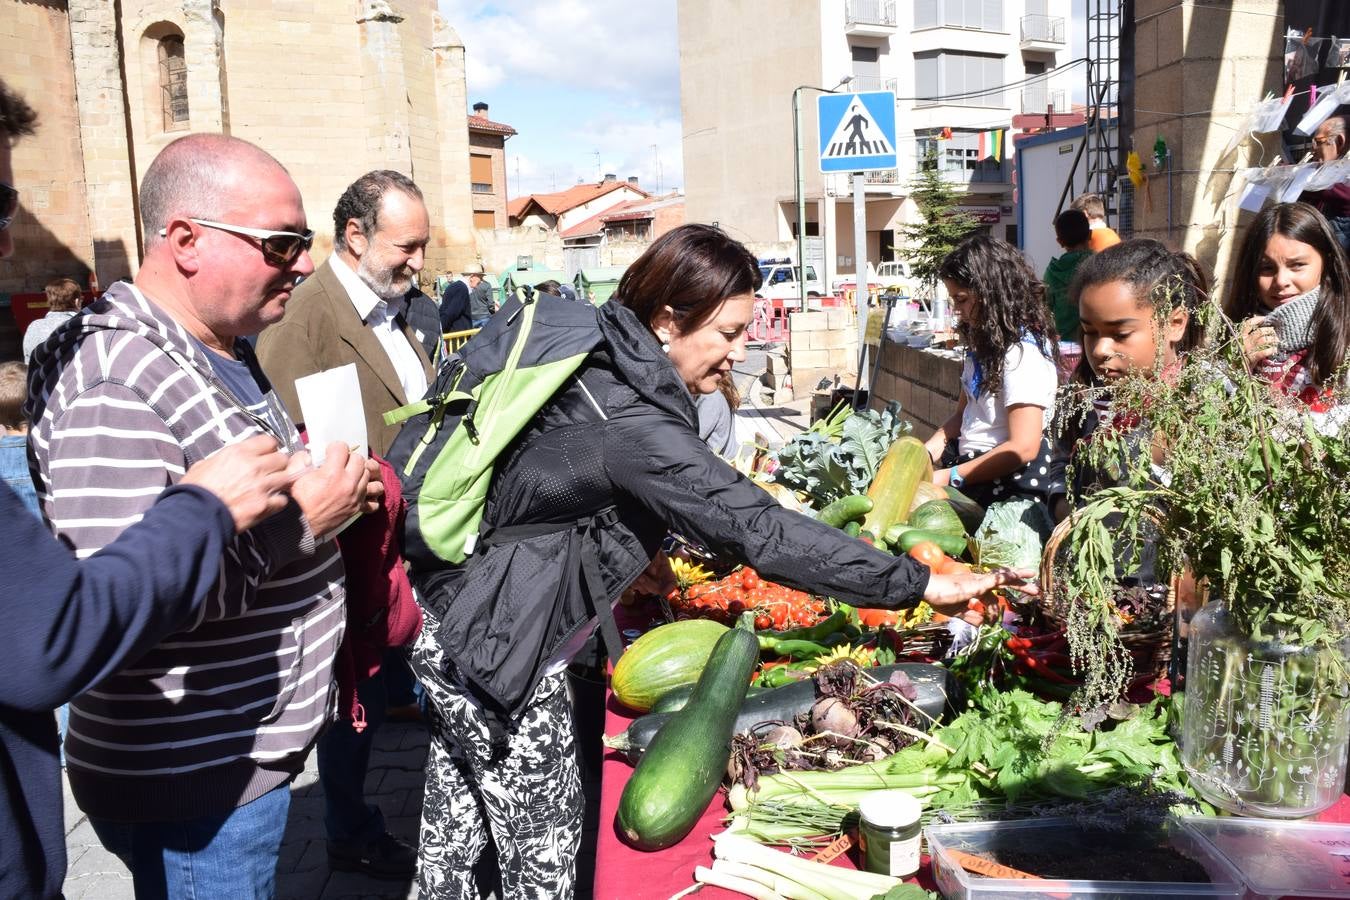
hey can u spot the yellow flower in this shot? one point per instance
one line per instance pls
(687, 574)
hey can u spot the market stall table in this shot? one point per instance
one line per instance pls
(623, 873)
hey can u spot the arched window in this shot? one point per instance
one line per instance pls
(173, 82)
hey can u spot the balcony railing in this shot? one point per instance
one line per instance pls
(1036, 99)
(871, 83)
(870, 12)
(1043, 29)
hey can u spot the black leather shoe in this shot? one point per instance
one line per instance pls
(385, 857)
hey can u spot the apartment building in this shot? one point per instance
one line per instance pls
(948, 62)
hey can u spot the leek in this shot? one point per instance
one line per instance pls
(829, 882)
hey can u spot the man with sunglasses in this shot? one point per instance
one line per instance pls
(183, 760)
(355, 310)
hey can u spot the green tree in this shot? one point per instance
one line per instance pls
(943, 226)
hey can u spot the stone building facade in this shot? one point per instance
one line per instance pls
(332, 88)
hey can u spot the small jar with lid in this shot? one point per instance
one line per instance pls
(888, 833)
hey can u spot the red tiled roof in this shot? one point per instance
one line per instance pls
(595, 224)
(557, 203)
(480, 123)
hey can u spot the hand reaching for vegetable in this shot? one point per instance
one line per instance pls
(950, 594)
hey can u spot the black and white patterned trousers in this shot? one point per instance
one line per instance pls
(526, 798)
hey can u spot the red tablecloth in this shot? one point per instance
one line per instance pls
(622, 873)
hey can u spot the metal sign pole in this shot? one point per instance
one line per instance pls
(860, 278)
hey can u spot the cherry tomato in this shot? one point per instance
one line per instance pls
(877, 618)
(749, 578)
(780, 616)
(763, 622)
(928, 553)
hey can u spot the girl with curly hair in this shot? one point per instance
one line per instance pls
(993, 447)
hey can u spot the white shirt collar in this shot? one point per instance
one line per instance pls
(363, 298)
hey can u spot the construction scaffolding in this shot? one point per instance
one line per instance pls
(1110, 100)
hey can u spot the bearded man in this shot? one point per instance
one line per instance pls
(354, 309)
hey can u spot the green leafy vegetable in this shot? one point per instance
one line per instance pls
(841, 457)
(1013, 533)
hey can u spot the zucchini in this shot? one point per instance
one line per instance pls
(853, 529)
(951, 545)
(845, 510)
(895, 532)
(678, 775)
(663, 658)
(897, 479)
(937, 694)
(677, 699)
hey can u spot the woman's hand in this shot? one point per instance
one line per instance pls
(951, 594)
(942, 477)
(1259, 341)
(657, 580)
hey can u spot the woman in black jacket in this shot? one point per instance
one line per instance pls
(577, 509)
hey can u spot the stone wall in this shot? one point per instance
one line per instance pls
(1199, 67)
(821, 344)
(926, 385)
(332, 89)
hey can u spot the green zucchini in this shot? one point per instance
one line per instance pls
(845, 510)
(936, 687)
(678, 775)
(853, 529)
(950, 544)
(895, 532)
(677, 699)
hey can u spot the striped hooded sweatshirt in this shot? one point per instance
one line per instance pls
(122, 402)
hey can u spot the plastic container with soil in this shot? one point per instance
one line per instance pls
(1068, 860)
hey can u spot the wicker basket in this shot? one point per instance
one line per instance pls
(1151, 648)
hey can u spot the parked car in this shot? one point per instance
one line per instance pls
(780, 279)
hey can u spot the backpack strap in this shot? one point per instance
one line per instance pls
(590, 565)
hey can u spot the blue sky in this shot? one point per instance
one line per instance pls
(574, 78)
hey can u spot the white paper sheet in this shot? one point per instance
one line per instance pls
(330, 405)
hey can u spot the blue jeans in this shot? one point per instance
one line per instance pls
(479, 323)
(1340, 226)
(231, 854)
(344, 756)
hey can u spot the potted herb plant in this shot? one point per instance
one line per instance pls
(1252, 498)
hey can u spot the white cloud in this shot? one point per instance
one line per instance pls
(618, 47)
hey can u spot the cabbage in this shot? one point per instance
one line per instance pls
(1013, 533)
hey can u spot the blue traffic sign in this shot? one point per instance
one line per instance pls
(857, 131)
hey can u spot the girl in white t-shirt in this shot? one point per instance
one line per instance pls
(993, 447)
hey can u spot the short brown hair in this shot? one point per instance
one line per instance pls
(13, 393)
(17, 118)
(1091, 204)
(63, 295)
(691, 269)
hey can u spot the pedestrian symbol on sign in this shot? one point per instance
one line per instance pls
(858, 135)
(857, 131)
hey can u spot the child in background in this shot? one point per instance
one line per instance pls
(993, 447)
(1291, 298)
(1072, 232)
(1103, 235)
(14, 433)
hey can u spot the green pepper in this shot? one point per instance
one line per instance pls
(817, 632)
(794, 649)
(779, 676)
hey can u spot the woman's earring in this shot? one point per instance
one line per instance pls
(665, 347)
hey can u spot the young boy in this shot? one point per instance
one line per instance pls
(1073, 233)
(14, 433)
(1103, 235)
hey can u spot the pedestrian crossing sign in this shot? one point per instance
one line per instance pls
(857, 131)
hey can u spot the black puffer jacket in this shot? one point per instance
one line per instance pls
(621, 439)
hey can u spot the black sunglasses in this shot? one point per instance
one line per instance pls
(9, 204)
(280, 248)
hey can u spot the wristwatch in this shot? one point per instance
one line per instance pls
(955, 479)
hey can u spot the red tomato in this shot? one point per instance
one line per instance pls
(749, 578)
(928, 553)
(877, 618)
(763, 622)
(779, 615)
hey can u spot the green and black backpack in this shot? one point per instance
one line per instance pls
(481, 400)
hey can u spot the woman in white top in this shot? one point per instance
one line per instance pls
(993, 447)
